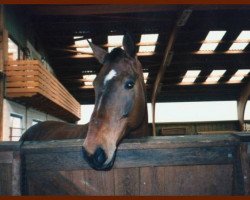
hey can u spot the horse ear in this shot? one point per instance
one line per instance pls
(99, 52)
(129, 45)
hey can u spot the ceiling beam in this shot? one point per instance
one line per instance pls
(167, 60)
(102, 9)
(79, 10)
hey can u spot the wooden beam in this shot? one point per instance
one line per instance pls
(189, 150)
(241, 104)
(167, 60)
(99, 9)
(3, 57)
(102, 9)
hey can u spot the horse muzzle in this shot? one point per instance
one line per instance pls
(98, 159)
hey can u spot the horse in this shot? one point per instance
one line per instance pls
(120, 108)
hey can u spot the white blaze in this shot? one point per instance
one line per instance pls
(109, 76)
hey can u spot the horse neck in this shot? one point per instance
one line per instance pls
(142, 129)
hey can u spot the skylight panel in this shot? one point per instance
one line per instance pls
(239, 75)
(208, 46)
(146, 49)
(83, 45)
(212, 40)
(147, 44)
(115, 40)
(241, 41)
(85, 50)
(149, 38)
(215, 36)
(190, 76)
(89, 78)
(215, 76)
(244, 35)
(238, 46)
(88, 83)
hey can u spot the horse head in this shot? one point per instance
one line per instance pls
(120, 103)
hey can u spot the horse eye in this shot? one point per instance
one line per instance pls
(129, 85)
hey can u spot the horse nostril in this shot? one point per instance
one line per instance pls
(99, 157)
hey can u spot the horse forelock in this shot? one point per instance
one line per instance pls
(114, 55)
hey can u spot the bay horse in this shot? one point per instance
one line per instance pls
(120, 108)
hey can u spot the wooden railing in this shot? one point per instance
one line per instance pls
(168, 165)
(29, 82)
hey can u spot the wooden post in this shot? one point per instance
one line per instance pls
(10, 168)
(167, 60)
(1, 71)
(241, 182)
(241, 104)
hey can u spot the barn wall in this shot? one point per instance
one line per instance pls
(10, 166)
(20, 29)
(194, 128)
(28, 114)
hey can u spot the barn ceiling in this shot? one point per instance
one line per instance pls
(57, 25)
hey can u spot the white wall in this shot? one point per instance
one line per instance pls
(183, 111)
(28, 114)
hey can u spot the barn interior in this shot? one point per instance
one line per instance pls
(189, 53)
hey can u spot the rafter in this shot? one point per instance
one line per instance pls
(167, 60)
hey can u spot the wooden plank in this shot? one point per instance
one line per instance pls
(5, 179)
(8, 146)
(241, 171)
(19, 95)
(99, 182)
(22, 73)
(198, 180)
(16, 174)
(73, 160)
(58, 85)
(152, 181)
(80, 10)
(20, 67)
(48, 85)
(243, 136)
(244, 159)
(127, 181)
(21, 78)
(18, 84)
(57, 97)
(22, 90)
(22, 62)
(6, 157)
(50, 183)
(159, 142)
(77, 178)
